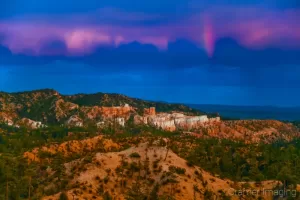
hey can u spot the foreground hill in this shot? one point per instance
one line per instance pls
(143, 162)
(148, 169)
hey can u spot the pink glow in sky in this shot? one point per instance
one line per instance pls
(252, 27)
(209, 38)
(82, 40)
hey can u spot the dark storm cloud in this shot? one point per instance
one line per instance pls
(180, 53)
(229, 52)
(53, 47)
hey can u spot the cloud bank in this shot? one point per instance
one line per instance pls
(220, 51)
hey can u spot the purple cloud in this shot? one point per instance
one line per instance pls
(256, 27)
(253, 27)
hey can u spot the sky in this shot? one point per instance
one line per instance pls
(189, 51)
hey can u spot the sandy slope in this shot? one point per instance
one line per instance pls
(86, 182)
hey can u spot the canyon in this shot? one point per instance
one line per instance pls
(101, 116)
(44, 108)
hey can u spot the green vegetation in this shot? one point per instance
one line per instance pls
(18, 140)
(102, 99)
(237, 161)
(19, 178)
(177, 170)
(242, 162)
(296, 123)
(39, 105)
(135, 155)
(63, 196)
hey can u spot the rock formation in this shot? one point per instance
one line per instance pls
(7, 118)
(149, 111)
(120, 121)
(173, 121)
(50, 107)
(63, 108)
(120, 111)
(30, 123)
(108, 112)
(75, 121)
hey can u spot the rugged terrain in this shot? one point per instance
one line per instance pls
(148, 169)
(109, 146)
(49, 107)
(42, 108)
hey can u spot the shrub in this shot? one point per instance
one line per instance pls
(108, 170)
(190, 163)
(63, 196)
(134, 167)
(177, 170)
(100, 190)
(107, 196)
(135, 155)
(155, 163)
(208, 195)
(106, 179)
(98, 178)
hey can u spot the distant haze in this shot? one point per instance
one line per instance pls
(252, 112)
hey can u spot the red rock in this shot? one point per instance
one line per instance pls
(108, 112)
(149, 111)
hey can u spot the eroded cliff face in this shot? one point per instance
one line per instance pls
(119, 111)
(149, 111)
(8, 118)
(63, 109)
(52, 108)
(68, 113)
(97, 112)
(173, 121)
(74, 121)
(30, 123)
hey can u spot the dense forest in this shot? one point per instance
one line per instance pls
(244, 162)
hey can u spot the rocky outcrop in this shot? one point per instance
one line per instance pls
(149, 111)
(119, 120)
(118, 111)
(74, 121)
(140, 119)
(165, 124)
(50, 107)
(63, 109)
(7, 118)
(174, 121)
(104, 113)
(92, 113)
(30, 123)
